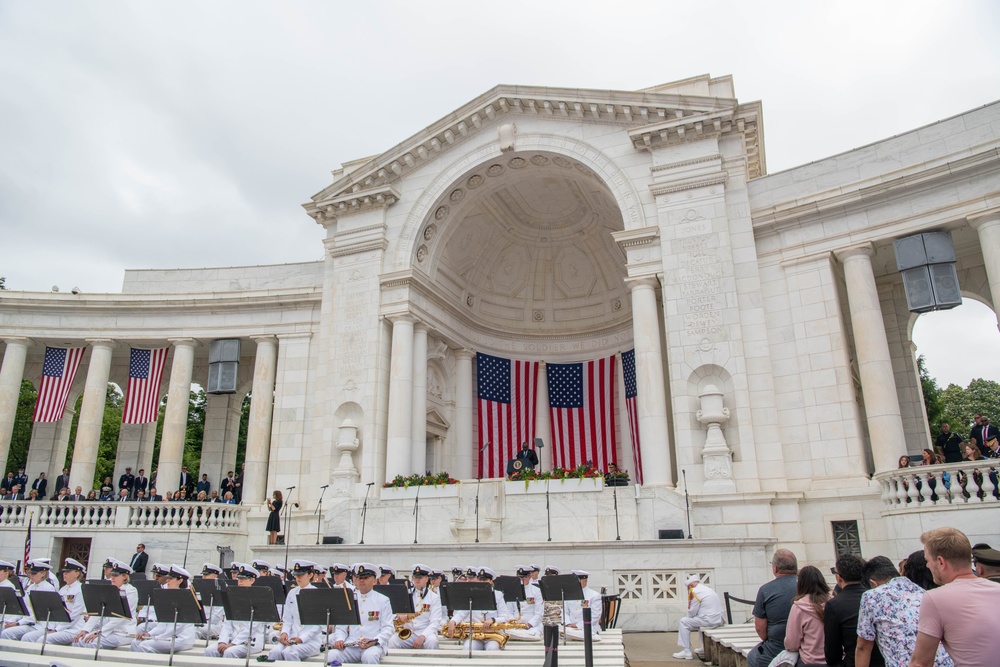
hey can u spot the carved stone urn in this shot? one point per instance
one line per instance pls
(716, 457)
(346, 474)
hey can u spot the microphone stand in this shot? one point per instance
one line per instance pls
(687, 502)
(364, 512)
(187, 543)
(614, 493)
(319, 510)
(548, 514)
(416, 516)
(478, 483)
(288, 526)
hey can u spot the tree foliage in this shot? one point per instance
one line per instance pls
(958, 404)
(20, 436)
(932, 395)
(3, 285)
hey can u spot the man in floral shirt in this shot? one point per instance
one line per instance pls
(889, 614)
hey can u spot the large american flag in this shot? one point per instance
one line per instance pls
(58, 372)
(582, 406)
(142, 398)
(506, 390)
(631, 391)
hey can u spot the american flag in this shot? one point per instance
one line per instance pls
(142, 400)
(631, 391)
(582, 405)
(58, 372)
(27, 545)
(506, 391)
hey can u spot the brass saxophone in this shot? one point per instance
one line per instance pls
(493, 633)
(403, 632)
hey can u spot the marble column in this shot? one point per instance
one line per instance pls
(418, 429)
(398, 432)
(259, 430)
(168, 468)
(11, 374)
(543, 418)
(988, 227)
(878, 384)
(651, 401)
(222, 427)
(88, 430)
(463, 414)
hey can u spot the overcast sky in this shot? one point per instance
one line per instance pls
(187, 134)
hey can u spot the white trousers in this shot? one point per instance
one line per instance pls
(18, 631)
(57, 638)
(526, 635)
(430, 643)
(107, 641)
(689, 623)
(295, 652)
(370, 656)
(576, 634)
(481, 645)
(236, 651)
(160, 645)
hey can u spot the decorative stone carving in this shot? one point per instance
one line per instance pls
(457, 195)
(494, 170)
(560, 161)
(435, 385)
(430, 231)
(421, 253)
(716, 456)
(506, 133)
(539, 160)
(441, 213)
(475, 181)
(346, 474)
(538, 315)
(517, 163)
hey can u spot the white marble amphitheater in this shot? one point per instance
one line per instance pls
(775, 370)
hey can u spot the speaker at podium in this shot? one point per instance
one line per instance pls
(515, 466)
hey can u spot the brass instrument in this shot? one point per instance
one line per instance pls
(405, 633)
(494, 633)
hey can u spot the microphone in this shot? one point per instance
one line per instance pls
(290, 488)
(488, 443)
(370, 484)
(325, 486)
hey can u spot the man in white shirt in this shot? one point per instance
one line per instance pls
(574, 611)
(427, 605)
(339, 572)
(158, 638)
(367, 642)
(486, 618)
(235, 636)
(297, 642)
(214, 614)
(704, 611)
(62, 634)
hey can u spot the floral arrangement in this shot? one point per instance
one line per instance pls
(618, 474)
(528, 474)
(427, 479)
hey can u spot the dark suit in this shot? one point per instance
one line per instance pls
(141, 483)
(840, 619)
(139, 561)
(186, 482)
(22, 480)
(126, 481)
(40, 485)
(228, 486)
(238, 488)
(155, 499)
(76, 497)
(204, 485)
(983, 434)
(528, 456)
(62, 482)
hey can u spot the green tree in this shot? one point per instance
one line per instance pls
(958, 405)
(3, 285)
(932, 396)
(20, 436)
(241, 439)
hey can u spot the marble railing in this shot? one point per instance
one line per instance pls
(965, 483)
(181, 516)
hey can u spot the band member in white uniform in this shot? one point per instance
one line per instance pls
(38, 576)
(146, 614)
(385, 575)
(61, 634)
(365, 643)
(235, 635)
(530, 611)
(113, 631)
(158, 638)
(339, 572)
(214, 624)
(574, 611)
(424, 626)
(487, 618)
(296, 641)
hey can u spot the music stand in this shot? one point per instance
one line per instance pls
(210, 594)
(181, 605)
(474, 596)
(50, 605)
(104, 601)
(100, 582)
(559, 588)
(11, 603)
(274, 583)
(399, 597)
(145, 590)
(250, 604)
(326, 607)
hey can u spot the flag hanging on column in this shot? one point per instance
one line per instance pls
(582, 406)
(27, 545)
(631, 405)
(58, 372)
(142, 397)
(506, 390)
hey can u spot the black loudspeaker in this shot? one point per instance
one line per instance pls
(927, 263)
(919, 294)
(333, 539)
(671, 534)
(944, 280)
(223, 366)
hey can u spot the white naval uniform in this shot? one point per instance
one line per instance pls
(376, 623)
(26, 624)
(311, 635)
(114, 631)
(61, 634)
(160, 634)
(213, 622)
(500, 615)
(9, 618)
(704, 611)
(574, 615)
(427, 624)
(530, 613)
(237, 633)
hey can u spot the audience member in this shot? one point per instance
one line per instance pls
(987, 562)
(916, 571)
(21, 478)
(949, 444)
(804, 630)
(771, 609)
(953, 614)
(62, 481)
(204, 485)
(40, 485)
(141, 483)
(840, 621)
(982, 433)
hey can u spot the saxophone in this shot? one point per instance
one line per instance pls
(476, 631)
(404, 632)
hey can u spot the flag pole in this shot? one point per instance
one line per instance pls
(27, 543)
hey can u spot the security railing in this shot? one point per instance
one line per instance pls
(965, 483)
(96, 515)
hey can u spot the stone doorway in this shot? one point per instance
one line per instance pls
(77, 548)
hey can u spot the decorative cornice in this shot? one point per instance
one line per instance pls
(329, 210)
(630, 238)
(686, 163)
(357, 248)
(689, 184)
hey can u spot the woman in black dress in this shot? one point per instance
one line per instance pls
(274, 518)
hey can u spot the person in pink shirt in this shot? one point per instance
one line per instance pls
(954, 613)
(804, 632)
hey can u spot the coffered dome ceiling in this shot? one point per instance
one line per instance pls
(523, 244)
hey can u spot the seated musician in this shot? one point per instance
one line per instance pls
(218, 615)
(235, 636)
(111, 632)
(480, 621)
(296, 641)
(369, 641)
(528, 612)
(158, 638)
(425, 624)
(574, 611)
(61, 634)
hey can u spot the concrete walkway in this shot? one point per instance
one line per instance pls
(654, 649)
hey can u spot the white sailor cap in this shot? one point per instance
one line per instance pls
(535, 568)
(421, 570)
(551, 569)
(160, 570)
(386, 569)
(457, 572)
(244, 571)
(118, 567)
(4, 565)
(692, 580)
(261, 565)
(524, 571)
(582, 574)
(74, 565)
(472, 571)
(364, 570)
(301, 566)
(437, 573)
(208, 568)
(38, 565)
(486, 573)
(178, 572)
(337, 568)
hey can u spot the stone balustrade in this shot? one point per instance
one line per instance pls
(965, 483)
(160, 516)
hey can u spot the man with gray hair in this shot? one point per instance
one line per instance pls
(770, 611)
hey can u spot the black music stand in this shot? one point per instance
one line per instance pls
(145, 590)
(99, 582)
(50, 605)
(399, 597)
(178, 604)
(210, 594)
(11, 603)
(273, 583)
(326, 607)
(559, 588)
(474, 596)
(104, 601)
(251, 604)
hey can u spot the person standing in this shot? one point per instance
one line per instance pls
(949, 444)
(527, 455)
(127, 482)
(62, 481)
(840, 620)
(141, 483)
(953, 614)
(704, 611)
(40, 485)
(771, 609)
(987, 562)
(204, 485)
(274, 518)
(238, 485)
(139, 559)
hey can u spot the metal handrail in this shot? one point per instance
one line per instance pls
(729, 608)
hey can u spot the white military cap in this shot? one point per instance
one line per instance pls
(178, 572)
(364, 570)
(693, 579)
(486, 573)
(73, 564)
(118, 567)
(386, 569)
(208, 568)
(302, 566)
(551, 569)
(581, 573)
